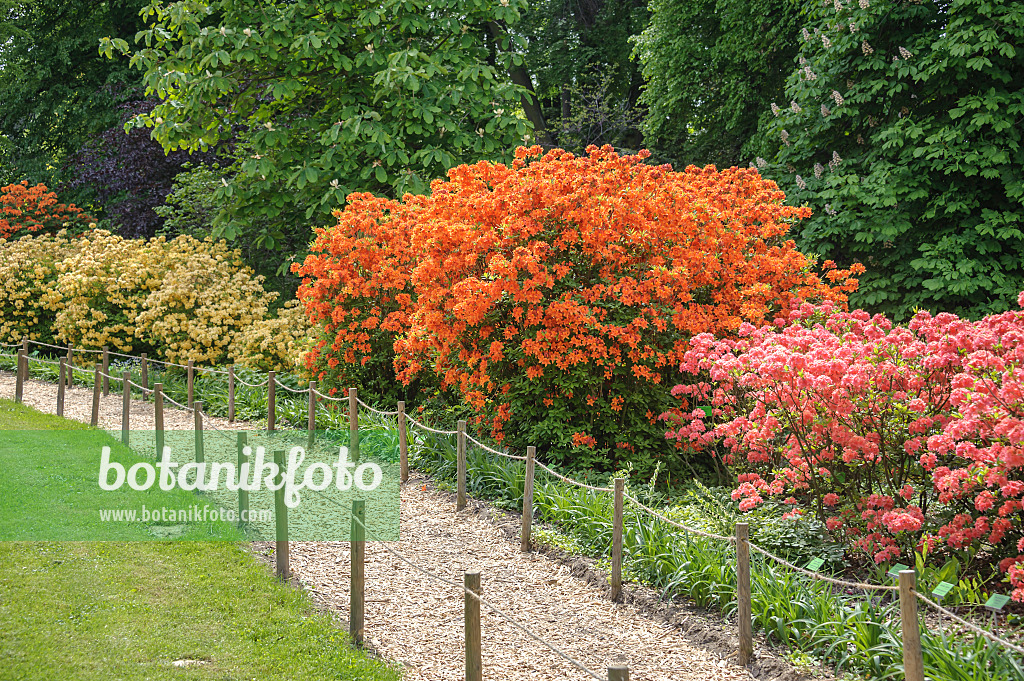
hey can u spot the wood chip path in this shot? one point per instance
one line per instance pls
(415, 621)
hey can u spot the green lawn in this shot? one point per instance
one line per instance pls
(129, 610)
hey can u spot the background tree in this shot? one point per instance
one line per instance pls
(902, 129)
(711, 67)
(578, 52)
(57, 91)
(129, 173)
(327, 98)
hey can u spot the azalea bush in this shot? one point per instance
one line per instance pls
(25, 210)
(894, 436)
(277, 343)
(176, 299)
(28, 285)
(555, 296)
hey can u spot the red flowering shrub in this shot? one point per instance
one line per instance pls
(890, 434)
(556, 296)
(25, 209)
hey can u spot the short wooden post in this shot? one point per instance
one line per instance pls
(231, 394)
(743, 605)
(126, 405)
(474, 652)
(190, 381)
(531, 454)
(197, 407)
(403, 442)
(357, 551)
(19, 374)
(97, 387)
(460, 500)
(144, 372)
(271, 398)
(620, 488)
(913, 661)
(71, 363)
(61, 386)
(353, 424)
(243, 494)
(106, 370)
(311, 417)
(281, 521)
(618, 673)
(24, 348)
(158, 419)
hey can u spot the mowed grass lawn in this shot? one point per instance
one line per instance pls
(129, 610)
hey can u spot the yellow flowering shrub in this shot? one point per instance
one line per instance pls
(28, 284)
(178, 299)
(206, 299)
(275, 344)
(103, 286)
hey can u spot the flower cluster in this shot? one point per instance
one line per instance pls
(556, 295)
(24, 210)
(277, 343)
(892, 434)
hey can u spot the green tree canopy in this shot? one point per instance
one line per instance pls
(711, 68)
(903, 128)
(57, 91)
(329, 97)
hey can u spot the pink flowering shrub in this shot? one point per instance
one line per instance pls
(891, 435)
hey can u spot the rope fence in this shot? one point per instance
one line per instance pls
(364, 405)
(906, 588)
(490, 606)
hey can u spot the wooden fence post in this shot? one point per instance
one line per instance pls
(191, 382)
(126, 405)
(281, 521)
(531, 454)
(620, 488)
(24, 344)
(357, 552)
(403, 442)
(19, 374)
(97, 387)
(474, 653)
(271, 406)
(353, 424)
(158, 419)
(144, 373)
(311, 417)
(618, 673)
(231, 394)
(743, 605)
(243, 494)
(913, 661)
(197, 407)
(460, 501)
(106, 370)
(71, 363)
(61, 386)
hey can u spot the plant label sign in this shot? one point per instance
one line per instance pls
(942, 590)
(895, 570)
(815, 564)
(997, 602)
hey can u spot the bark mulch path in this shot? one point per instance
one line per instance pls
(416, 621)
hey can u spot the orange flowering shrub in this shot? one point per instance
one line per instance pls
(357, 292)
(25, 209)
(556, 296)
